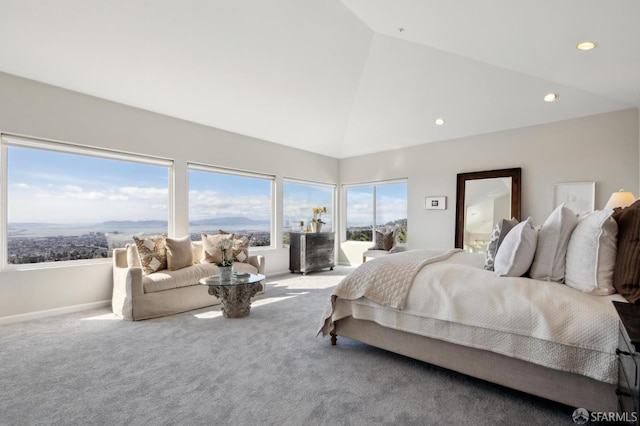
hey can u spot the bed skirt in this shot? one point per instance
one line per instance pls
(567, 388)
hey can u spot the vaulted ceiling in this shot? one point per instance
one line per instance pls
(339, 78)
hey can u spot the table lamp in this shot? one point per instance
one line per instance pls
(621, 198)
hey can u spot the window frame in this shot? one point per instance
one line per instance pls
(373, 184)
(12, 140)
(201, 167)
(333, 188)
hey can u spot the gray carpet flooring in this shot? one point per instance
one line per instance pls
(198, 368)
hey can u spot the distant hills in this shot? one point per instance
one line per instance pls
(220, 221)
(238, 220)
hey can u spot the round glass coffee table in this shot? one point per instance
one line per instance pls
(235, 294)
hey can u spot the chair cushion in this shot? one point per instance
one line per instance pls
(185, 277)
(166, 280)
(375, 253)
(244, 267)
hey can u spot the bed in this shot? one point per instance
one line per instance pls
(540, 337)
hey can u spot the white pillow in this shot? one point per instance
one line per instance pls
(500, 231)
(591, 255)
(516, 252)
(553, 239)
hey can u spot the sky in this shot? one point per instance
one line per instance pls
(299, 200)
(391, 204)
(53, 187)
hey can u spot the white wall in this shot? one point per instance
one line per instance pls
(603, 148)
(38, 110)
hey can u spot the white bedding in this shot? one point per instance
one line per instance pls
(542, 322)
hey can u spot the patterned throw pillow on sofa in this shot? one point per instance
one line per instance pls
(240, 246)
(153, 253)
(211, 251)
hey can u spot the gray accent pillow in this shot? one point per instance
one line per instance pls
(179, 253)
(553, 240)
(385, 240)
(501, 229)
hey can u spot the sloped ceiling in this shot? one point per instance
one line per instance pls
(333, 77)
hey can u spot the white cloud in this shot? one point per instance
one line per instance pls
(73, 203)
(144, 192)
(22, 186)
(208, 204)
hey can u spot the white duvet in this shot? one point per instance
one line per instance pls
(546, 323)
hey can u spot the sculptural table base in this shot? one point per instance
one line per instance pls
(235, 299)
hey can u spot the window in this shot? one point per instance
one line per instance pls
(231, 201)
(298, 201)
(382, 205)
(68, 203)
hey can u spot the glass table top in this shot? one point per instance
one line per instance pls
(236, 279)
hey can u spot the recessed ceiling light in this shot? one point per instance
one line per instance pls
(586, 45)
(550, 97)
(439, 122)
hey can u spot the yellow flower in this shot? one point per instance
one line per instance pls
(317, 214)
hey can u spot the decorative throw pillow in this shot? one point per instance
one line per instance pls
(385, 240)
(591, 254)
(516, 252)
(553, 240)
(378, 241)
(133, 257)
(240, 246)
(389, 240)
(179, 253)
(501, 229)
(211, 251)
(153, 253)
(626, 276)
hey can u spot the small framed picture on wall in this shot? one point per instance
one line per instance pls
(435, 203)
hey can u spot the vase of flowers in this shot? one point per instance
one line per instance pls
(316, 222)
(225, 267)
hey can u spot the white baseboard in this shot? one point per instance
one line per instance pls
(53, 312)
